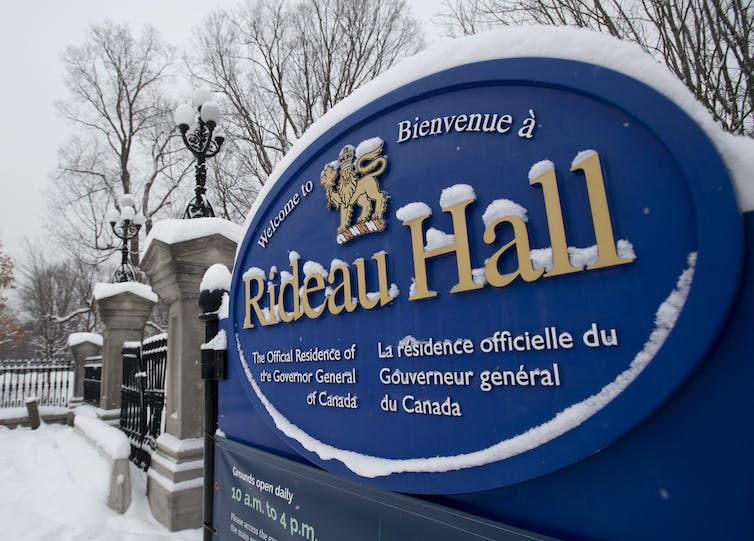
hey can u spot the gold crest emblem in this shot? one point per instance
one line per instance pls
(352, 180)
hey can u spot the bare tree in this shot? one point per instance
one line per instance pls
(282, 65)
(55, 299)
(708, 44)
(124, 142)
(11, 330)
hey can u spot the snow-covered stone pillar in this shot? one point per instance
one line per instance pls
(123, 309)
(82, 345)
(176, 256)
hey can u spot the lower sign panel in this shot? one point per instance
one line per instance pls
(262, 497)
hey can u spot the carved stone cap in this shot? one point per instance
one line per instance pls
(83, 349)
(124, 310)
(176, 270)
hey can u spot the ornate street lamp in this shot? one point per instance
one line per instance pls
(197, 123)
(126, 224)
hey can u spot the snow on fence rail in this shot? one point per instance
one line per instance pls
(51, 381)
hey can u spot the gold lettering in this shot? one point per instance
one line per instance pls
(555, 225)
(311, 312)
(254, 303)
(293, 285)
(603, 227)
(339, 278)
(523, 253)
(345, 287)
(271, 293)
(361, 279)
(460, 247)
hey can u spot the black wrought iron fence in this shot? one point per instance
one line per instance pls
(132, 419)
(92, 380)
(51, 381)
(155, 359)
(143, 396)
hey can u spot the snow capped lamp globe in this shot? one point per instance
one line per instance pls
(197, 123)
(126, 225)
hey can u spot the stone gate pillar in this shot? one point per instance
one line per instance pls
(176, 256)
(82, 346)
(123, 309)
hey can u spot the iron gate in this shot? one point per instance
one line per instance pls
(92, 379)
(143, 396)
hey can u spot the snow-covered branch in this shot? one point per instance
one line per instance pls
(68, 317)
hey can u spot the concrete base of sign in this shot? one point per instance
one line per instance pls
(175, 481)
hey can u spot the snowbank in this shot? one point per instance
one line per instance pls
(57, 489)
(113, 445)
(110, 439)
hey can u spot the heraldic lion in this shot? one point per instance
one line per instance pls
(349, 182)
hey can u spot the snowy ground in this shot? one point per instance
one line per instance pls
(53, 485)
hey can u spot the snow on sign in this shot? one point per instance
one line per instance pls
(482, 276)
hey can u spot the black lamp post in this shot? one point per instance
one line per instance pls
(126, 225)
(197, 123)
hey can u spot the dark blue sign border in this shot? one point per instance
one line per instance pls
(719, 240)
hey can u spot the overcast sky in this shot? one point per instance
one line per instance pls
(33, 34)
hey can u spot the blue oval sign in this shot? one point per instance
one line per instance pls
(484, 276)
